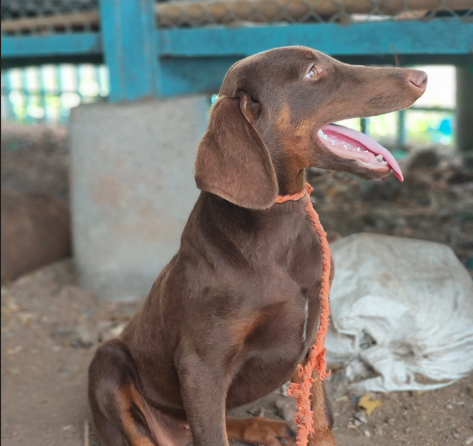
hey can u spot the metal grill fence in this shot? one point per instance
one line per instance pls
(45, 16)
(56, 16)
(238, 12)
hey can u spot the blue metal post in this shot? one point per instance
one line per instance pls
(42, 92)
(28, 98)
(130, 47)
(401, 130)
(59, 89)
(365, 126)
(464, 115)
(7, 88)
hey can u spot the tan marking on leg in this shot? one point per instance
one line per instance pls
(125, 398)
(323, 435)
(164, 429)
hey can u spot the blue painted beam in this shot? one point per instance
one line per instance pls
(69, 44)
(131, 48)
(436, 36)
(200, 75)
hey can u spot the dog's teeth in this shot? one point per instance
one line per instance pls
(321, 133)
(366, 151)
(379, 158)
(384, 162)
(345, 146)
(358, 149)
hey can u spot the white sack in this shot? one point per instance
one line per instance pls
(403, 308)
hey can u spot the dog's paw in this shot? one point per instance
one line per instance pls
(270, 433)
(285, 435)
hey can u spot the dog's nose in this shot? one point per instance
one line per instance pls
(419, 79)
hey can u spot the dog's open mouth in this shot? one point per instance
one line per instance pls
(351, 144)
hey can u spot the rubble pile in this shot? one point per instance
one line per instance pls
(435, 202)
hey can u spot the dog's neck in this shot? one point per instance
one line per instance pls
(234, 229)
(290, 183)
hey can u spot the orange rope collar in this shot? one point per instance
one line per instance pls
(316, 361)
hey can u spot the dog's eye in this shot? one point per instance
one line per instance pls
(313, 73)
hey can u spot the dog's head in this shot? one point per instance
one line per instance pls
(273, 119)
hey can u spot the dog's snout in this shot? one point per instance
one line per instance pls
(419, 79)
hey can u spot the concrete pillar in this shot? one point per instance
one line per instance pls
(132, 189)
(465, 111)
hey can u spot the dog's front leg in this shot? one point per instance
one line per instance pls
(204, 389)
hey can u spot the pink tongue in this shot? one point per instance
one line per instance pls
(369, 143)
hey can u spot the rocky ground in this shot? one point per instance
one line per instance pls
(50, 326)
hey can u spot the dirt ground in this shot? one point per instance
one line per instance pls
(50, 326)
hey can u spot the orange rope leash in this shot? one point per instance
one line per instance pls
(316, 361)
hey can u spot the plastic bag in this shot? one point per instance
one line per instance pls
(402, 313)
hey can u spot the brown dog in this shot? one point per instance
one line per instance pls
(237, 308)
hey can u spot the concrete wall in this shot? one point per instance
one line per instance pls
(132, 189)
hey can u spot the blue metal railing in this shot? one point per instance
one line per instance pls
(147, 61)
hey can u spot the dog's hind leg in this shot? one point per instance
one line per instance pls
(112, 386)
(121, 414)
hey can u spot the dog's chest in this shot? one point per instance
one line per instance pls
(274, 349)
(285, 331)
(291, 319)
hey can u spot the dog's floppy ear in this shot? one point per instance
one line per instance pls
(233, 161)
